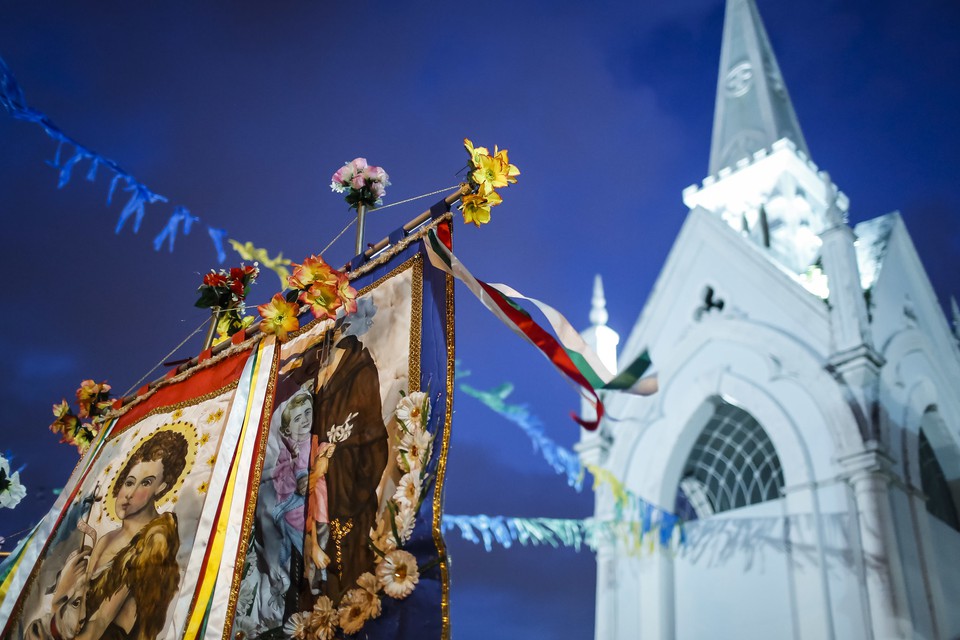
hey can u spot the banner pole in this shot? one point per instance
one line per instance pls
(361, 221)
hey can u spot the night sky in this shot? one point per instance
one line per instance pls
(241, 112)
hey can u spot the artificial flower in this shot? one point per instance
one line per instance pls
(89, 393)
(490, 173)
(347, 294)
(313, 270)
(382, 538)
(297, 626)
(279, 317)
(61, 410)
(476, 206)
(398, 574)
(511, 170)
(11, 491)
(365, 185)
(413, 410)
(354, 610)
(214, 279)
(405, 521)
(83, 437)
(368, 582)
(415, 447)
(408, 491)
(323, 619)
(322, 300)
(475, 152)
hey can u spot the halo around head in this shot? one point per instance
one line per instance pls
(189, 433)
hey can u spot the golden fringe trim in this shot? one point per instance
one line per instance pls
(442, 468)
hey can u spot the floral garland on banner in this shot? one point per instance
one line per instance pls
(93, 401)
(11, 491)
(224, 292)
(396, 574)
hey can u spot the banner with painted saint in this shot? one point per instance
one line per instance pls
(345, 534)
(120, 553)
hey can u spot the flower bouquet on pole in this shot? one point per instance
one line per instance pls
(224, 293)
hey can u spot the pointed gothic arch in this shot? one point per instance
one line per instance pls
(732, 464)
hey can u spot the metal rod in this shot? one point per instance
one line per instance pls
(361, 222)
(413, 224)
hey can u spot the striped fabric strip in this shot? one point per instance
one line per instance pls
(567, 352)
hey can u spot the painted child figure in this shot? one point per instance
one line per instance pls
(291, 475)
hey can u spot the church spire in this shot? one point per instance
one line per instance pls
(753, 109)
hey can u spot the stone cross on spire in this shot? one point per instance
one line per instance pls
(753, 109)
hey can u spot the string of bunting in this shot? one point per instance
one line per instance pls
(634, 518)
(180, 222)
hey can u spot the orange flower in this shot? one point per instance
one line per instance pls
(314, 270)
(347, 294)
(322, 300)
(279, 317)
(88, 393)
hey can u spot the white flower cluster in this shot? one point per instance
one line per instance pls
(11, 491)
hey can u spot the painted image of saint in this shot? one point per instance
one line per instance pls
(347, 413)
(132, 570)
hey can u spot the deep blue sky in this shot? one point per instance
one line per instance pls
(241, 113)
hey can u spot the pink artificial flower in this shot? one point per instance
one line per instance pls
(377, 189)
(343, 175)
(358, 165)
(357, 182)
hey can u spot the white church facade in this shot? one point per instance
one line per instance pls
(807, 425)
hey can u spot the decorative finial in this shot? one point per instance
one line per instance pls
(598, 304)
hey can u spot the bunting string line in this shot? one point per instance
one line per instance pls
(180, 221)
(633, 517)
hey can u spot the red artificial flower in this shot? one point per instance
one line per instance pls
(213, 279)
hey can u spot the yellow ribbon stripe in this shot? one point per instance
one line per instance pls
(215, 555)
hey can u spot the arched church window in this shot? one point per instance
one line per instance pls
(933, 481)
(733, 464)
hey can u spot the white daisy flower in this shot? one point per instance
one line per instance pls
(416, 446)
(323, 619)
(413, 410)
(298, 625)
(406, 519)
(408, 491)
(356, 607)
(398, 574)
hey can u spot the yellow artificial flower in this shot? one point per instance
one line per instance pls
(475, 153)
(491, 173)
(279, 317)
(476, 206)
(510, 169)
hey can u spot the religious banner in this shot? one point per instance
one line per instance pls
(345, 529)
(125, 544)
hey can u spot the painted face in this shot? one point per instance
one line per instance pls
(301, 420)
(140, 488)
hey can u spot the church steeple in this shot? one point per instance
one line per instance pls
(753, 109)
